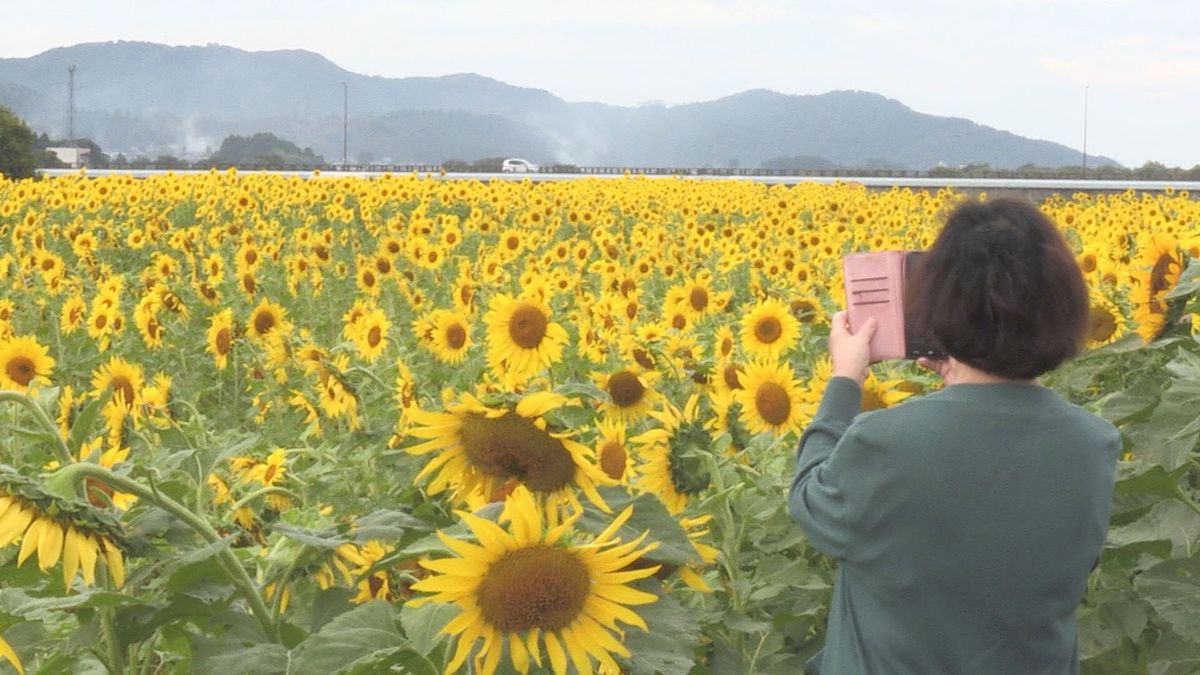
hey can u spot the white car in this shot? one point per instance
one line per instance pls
(514, 165)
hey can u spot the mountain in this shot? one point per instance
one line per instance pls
(146, 98)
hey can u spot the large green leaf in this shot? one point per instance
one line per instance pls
(358, 641)
(1173, 589)
(1169, 437)
(423, 625)
(16, 602)
(649, 514)
(1167, 521)
(231, 657)
(669, 646)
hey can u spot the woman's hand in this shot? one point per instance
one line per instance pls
(849, 352)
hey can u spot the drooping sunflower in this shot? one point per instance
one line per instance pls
(521, 337)
(769, 330)
(770, 398)
(483, 452)
(675, 465)
(59, 530)
(630, 391)
(451, 336)
(220, 337)
(24, 362)
(527, 586)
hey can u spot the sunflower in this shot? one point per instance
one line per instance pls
(451, 336)
(220, 336)
(629, 391)
(72, 314)
(266, 320)
(521, 338)
(769, 330)
(370, 334)
(125, 379)
(58, 530)
(770, 399)
(483, 451)
(528, 585)
(616, 461)
(24, 362)
(1159, 270)
(723, 343)
(1106, 321)
(675, 455)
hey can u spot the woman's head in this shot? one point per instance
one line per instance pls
(1000, 290)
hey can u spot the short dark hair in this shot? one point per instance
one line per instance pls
(1000, 290)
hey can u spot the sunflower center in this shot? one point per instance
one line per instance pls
(1101, 324)
(730, 373)
(123, 388)
(698, 299)
(773, 403)
(536, 586)
(527, 326)
(768, 330)
(626, 389)
(612, 459)
(374, 336)
(1160, 275)
(20, 369)
(679, 322)
(513, 447)
(224, 341)
(726, 346)
(643, 358)
(264, 322)
(805, 310)
(456, 336)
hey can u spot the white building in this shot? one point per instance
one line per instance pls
(72, 157)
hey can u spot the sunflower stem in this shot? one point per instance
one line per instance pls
(61, 452)
(229, 562)
(108, 627)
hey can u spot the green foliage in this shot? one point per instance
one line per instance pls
(18, 156)
(262, 149)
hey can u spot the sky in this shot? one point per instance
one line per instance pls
(1032, 67)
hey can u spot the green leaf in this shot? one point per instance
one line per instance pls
(361, 638)
(649, 514)
(670, 645)
(1170, 521)
(1129, 404)
(85, 420)
(1169, 437)
(325, 538)
(1189, 282)
(1173, 589)
(386, 526)
(232, 657)
(16, 602)
(1150, 480)
(1103, 628)
(423, 625)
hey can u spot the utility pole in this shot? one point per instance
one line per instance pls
(71, 105)
(1085, 113)
(345, 119)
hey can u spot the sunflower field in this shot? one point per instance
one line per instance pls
(268, 424)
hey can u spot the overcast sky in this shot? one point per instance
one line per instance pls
(1017, 65)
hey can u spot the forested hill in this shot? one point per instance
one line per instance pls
(138, 97)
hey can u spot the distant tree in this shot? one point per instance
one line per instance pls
(170, 162)
(18, 156)
(488, 164)
(263, 149)
(456, 166)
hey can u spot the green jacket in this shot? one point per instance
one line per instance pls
(966, 523)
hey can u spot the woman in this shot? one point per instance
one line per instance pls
(966, 521)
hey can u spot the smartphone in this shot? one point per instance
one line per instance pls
(875, 284)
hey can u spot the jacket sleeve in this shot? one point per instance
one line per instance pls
(836, 471)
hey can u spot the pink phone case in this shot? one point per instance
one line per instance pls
(875, 288)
